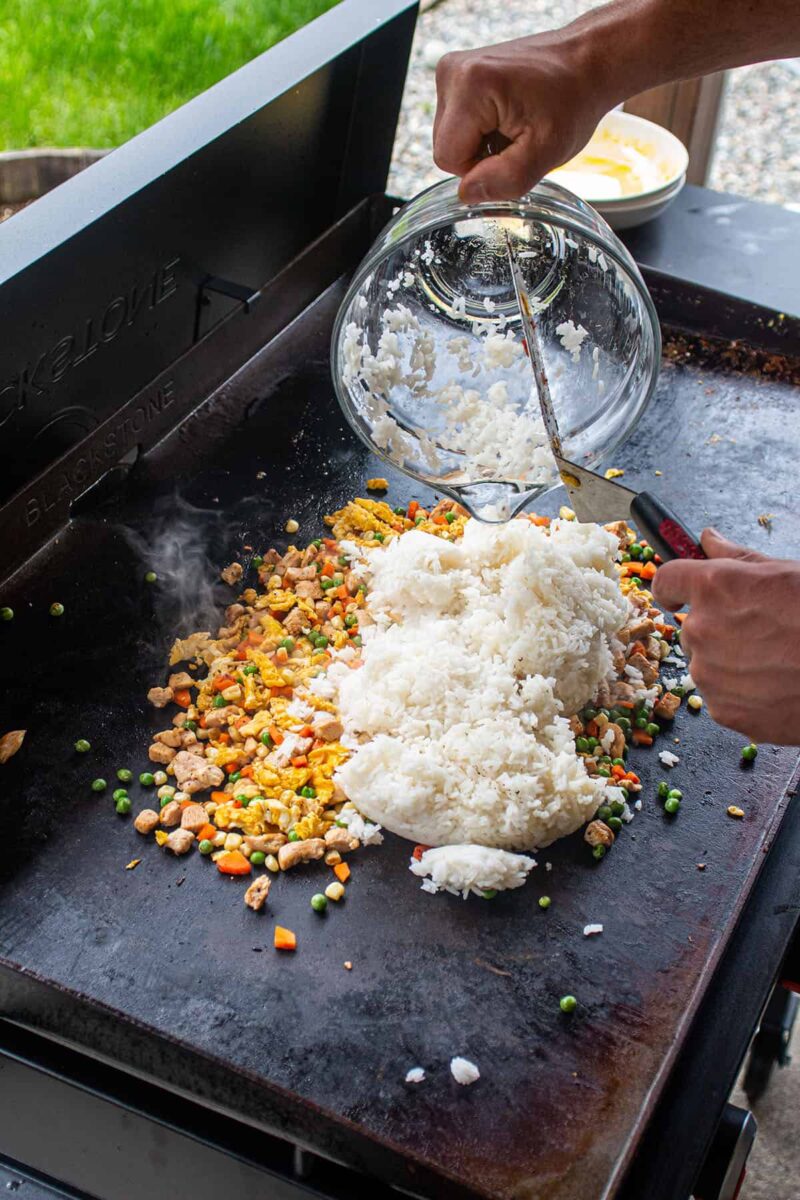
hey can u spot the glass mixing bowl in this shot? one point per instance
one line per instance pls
(428, 358)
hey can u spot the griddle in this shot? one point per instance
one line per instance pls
(214, 424)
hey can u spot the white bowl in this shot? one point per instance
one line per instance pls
(659, 156)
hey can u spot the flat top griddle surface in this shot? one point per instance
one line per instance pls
(168, 951)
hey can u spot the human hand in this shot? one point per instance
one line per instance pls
(540, 92)
(743, 635)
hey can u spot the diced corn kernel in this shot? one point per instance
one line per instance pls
(246, 851)
(332, 858)
(160, 778)
(218, 854)
(733, 811)
(181, 796)
(233, 841)
(271, 863)
(211, 807)
(165, 792)
(219, 838)
(334, 891)
(275, 581)
(291, 526)
(566, 513)
(695, 703)
(161, 836)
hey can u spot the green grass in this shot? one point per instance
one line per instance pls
(95, 72)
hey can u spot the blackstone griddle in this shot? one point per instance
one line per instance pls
(164, 402)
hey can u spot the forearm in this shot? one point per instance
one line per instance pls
(634, 45)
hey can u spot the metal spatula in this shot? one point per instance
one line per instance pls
(594, 498)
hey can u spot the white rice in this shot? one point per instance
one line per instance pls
(415, 1075)
(464, 869)
(477, 649)
(590, 930)
(668, 758)
(464, 1071)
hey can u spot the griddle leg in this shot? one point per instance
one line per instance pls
(771, 1043)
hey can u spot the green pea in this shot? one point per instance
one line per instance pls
(243, 800)
(293, 837)
(678, 691)
(265, 739)
(308, 793)
(82, 746)
(350, 621)
(544, 902)
(163, 801)
(190, 725)
(617, 808)
(56, 610)
(250, 669)
(604, 759)
(582, 745)
(593, 743)
(257, 561)
(615, 823)
(671, 805)
(379, 537)
(258, 858)
(317, 542)
(635, 551)
(321, 642)
(337, 580)
(663, 790)
(653, 729)
(589, 713)
(648, 553)
(450, 517)
(325, 584)
(675, 794)
(624, 724)
(124, 775)
(749, 752)
(603, 812)
(625, 557)
(598, 852)
(357, 640)
(489, 894)
(604, 772)
(118, 794)
(123, 806)
(318, 902)
(642, 722)
(287, 644)
(99, 785)
(150, 577)
(219, 702)
(146, 779)
(635, 580)
(568, 1004)
(398, 512)
(6, 613)
(235, 777)
(207, 847)
(344, 561)
(418, 520)
(618, 762)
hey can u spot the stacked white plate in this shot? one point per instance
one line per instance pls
(651, 162)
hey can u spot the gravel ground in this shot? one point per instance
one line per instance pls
(758, 145)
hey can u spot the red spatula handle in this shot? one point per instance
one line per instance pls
(665, 532)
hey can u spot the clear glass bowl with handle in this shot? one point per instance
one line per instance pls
(430, 365)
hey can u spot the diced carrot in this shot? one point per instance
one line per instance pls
(202, 721)
(237, 804)
(208, 832)
(222, 682)
(592, 729)
(342, 872)
(241, 721)
(419, 851)
(187, 803)
(224, 738)
(624, 704)
(658, 560)
(641, 738)
(220, 797)
(618, 772)
(543, 522)
(229, 768)
(183, 697)
(241, 652)
(648, 570)
(233, 862)
(330, 543)
(275, 734)
(300, 761)
(342, 592)
(632, 777)
(305, 732)
(638, 648)
(255, 637)
(680, 617)
(413, 509)
(246, 772)
(281, 655)
(440, 519)
(328, 569)
(284, 939)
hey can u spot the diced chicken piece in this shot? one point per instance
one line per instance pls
(616, 748)
(618, 659)
(603, 696)
(181, 679)
(576, 726)
(195, 774)
(267, 843)
(194, 646)
(295, 574)
(180, 841)
(667, 706)
(328, 727)
(232, 573)
(310, 554)
(648, 671)
(597, 833)
(180, 719)
(228, 631)
(10, 743)
(233, 612)
(339, 796)
(304, 851)
(622, 692)
(194, 817)
(295, 621)
(323, 608)
(170, 814)
(232, 694)
(622, 532)
(146, 821)
(158, 753)
(256, 895)
(341, 840)
(217, 717)
(638, 628)
(308, 589)
(159, 697)
(170, 737)
(292, 558)
(652, 649)
(271, 558)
